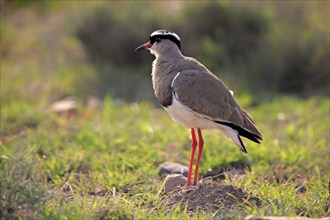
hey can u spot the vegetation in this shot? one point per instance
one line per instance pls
(101, 162)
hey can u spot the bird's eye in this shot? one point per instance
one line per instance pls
(158, 40)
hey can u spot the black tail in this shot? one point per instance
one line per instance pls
(242, 132)
(242, 147)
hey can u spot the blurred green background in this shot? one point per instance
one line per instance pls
(53, 49)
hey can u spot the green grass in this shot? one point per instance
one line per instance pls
(103, 162)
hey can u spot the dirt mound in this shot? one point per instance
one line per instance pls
(210, 195)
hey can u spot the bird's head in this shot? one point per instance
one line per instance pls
(162, 42)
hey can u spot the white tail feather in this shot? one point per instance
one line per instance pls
(232, 135)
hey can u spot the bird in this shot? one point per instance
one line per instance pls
(195, 97)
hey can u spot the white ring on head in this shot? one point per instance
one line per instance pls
(162, 32)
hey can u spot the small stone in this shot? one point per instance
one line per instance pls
(171, 168)
(65, 105)
(173, 182)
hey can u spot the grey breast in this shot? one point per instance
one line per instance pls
(162, 75)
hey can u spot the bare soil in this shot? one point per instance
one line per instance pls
(209, 195)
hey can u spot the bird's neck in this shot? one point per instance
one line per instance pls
(170, 56)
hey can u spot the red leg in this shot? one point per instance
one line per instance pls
(192, 155)
(200, 149)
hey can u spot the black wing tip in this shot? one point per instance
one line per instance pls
(259, 137)
(253, 138)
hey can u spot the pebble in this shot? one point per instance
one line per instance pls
(173, 182)
(171, 168)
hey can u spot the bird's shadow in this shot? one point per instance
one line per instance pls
(219, 172)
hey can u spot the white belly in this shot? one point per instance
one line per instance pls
(190, 119)
(187, 117)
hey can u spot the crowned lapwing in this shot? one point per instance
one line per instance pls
(194, 97)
